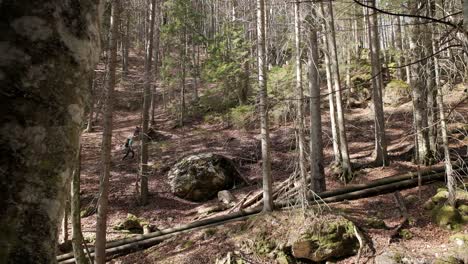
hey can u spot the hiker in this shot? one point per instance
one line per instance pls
(129, 148)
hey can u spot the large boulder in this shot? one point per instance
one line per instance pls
(326, 240)
(200, 177)
(396, 93)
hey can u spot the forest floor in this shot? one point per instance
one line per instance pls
(243, 146)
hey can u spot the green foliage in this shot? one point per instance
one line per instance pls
(406, 234)
(281, 85)
(228, 54)
(281, 81)
(180, 29)
(243, 116)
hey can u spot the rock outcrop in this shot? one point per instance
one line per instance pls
(200, 177)
(327, 240)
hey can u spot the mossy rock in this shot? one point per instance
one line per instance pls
(263, 246)
(375, 223)
(463, 209)
(448, 260)
(447, 216)
(429, 205)
(397, 92)
(406, 234)
(327, 240)
(283, 258)
(132, 224)
(460, 239)
(441, 196)
(200, 177)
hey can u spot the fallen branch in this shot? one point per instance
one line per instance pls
(241, 203)
(276, 193)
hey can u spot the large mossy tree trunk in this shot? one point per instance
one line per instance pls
(48, 49)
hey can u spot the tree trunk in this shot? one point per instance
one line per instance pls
(144, 170)
(264, 126)
(401, 73)
(316, 146)
(125, 44)
(44, 93)
(449, 172)
(380, 151)
(156, 59)
(101, 222)
(300, 100)
(419, 93)
(64, 223)
(89, 126)
(428, 39)
(331, 102)
(343, 142)
(77, 236)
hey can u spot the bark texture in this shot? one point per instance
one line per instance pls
(316, 146)
(380, 152)
(300, 100)
(146, 107)
(264, 129)
(47, 49)
(77, 236)
(418, 52)
(345, 161)
(101, 221)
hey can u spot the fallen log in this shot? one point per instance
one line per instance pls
(383, 189)
(365, 191)
(142, 244)
(167, 231)
(386, 180)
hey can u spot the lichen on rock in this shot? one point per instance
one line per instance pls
(200, 177)
(331, 239)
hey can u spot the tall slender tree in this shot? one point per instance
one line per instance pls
(380, 152)
(77, 235)
(264, 126)
(299, 99)
(345, 161)
(419, 93)
(101, 221)
(316, 146)
(144, 171)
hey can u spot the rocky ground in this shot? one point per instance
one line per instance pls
(424, 240)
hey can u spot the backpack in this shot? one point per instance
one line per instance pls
(127, 142)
